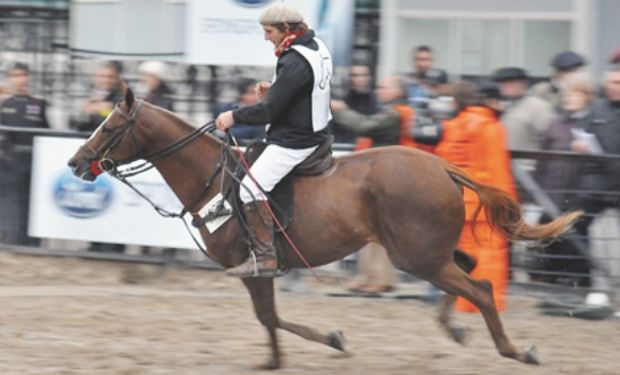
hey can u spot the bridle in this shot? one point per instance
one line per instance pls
(101, 161)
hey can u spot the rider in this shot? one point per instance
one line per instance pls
(296, 107)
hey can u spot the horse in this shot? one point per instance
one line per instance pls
(409, 201)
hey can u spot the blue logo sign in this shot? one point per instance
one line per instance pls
(253, 3)
(82, 199)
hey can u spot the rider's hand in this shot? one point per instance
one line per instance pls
(261, 89)
(224, 120)
(338, 105)
(580, 146)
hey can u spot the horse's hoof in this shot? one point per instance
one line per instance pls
(459, 334)
(531, 357)
(271, 365)
(337, 341)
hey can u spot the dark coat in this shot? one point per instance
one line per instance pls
(605, 125)
(93, 120)
(557, 176)
(24, 111)
(362, 102)
(288, 104)
(382, 127)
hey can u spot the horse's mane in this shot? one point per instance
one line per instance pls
(178, 120)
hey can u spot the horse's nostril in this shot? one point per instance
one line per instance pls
(72, 164)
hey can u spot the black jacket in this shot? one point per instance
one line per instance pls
(605, 124)
(25, 111)
(288, 104)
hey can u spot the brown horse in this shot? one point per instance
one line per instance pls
(408, 201)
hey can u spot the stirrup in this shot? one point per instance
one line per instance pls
(255, 272)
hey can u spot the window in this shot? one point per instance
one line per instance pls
(467, 46)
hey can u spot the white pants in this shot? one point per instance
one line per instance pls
(270, 167)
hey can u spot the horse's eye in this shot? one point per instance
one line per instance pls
(105, 130)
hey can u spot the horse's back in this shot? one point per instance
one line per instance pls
(394, 167)
(398, 161)
(394, 195)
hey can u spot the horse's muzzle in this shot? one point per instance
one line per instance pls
(81, 168)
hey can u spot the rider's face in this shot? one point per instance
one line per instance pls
(273, 35)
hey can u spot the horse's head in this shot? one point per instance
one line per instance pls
(116, 141)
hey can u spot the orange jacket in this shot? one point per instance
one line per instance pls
(476, 141)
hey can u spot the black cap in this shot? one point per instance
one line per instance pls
(509, 74)
(20, 66)
(489, 90)
(435, 77)
(567, 61)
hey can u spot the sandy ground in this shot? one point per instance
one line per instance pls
(69, 316)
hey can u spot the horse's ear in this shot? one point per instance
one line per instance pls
(129, 96)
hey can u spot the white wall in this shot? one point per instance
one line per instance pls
(478, 36)
(128, 26)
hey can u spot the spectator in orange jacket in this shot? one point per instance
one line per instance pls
(476, 141)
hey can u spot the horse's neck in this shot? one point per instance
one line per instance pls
(188, 170)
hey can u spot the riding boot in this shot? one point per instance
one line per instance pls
(262, 261)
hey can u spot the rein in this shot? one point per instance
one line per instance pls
(104, 163)
(101, 162)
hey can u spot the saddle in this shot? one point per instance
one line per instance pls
(281, 198)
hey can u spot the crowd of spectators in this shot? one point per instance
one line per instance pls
(473, 125)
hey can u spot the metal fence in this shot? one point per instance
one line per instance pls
(39, 36)
(576, 264)
(586, 258)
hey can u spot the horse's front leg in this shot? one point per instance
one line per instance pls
(261, 291)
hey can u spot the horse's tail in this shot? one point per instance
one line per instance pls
(504, 212)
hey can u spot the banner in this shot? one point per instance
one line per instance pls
(227, 32)
(64, 207)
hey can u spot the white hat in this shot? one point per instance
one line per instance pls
(156, 68)
(280, 13)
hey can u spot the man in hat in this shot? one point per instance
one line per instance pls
(526, 117)
(296, 105)
(564, 64)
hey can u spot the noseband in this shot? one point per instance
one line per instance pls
(100, 161)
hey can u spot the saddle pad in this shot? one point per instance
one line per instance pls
(281, 198)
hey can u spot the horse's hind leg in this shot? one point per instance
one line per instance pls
(479, 292)
(458, 333)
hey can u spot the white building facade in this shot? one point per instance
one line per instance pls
(475, 37)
